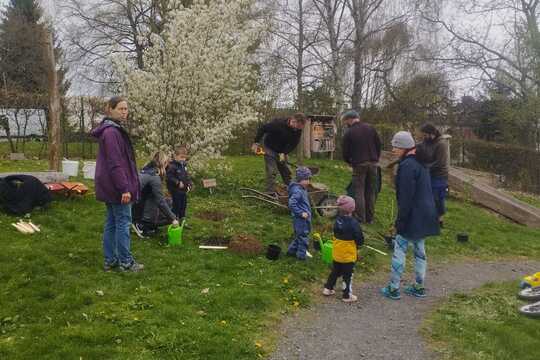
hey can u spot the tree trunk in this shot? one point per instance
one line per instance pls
(54, 128)
(82, 128)
(300, 75)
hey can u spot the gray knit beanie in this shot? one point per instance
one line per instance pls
(403, 140)
(303, 173)
(350, 114)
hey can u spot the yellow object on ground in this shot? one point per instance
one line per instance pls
(531, 280)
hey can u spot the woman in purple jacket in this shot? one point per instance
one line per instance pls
(117, 185)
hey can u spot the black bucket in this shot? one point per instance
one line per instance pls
(389, 240)
(272, 252)
(462, 237)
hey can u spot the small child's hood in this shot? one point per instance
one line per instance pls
(294, 187)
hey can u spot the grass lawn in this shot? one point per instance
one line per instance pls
(484, 325)
(51, 283)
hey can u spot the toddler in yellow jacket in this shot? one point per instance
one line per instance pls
(348, 237)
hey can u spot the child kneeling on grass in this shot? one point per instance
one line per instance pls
(348, 237)
(300, 212)
(417, 216)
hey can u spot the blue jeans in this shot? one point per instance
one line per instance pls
(398, 260)
(116, 238)
(299, 246)
(439, 187)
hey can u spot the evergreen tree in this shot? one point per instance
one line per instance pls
(23, 65)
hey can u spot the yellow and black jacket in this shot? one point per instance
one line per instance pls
(348, 237)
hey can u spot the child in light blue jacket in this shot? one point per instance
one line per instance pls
(300, 212)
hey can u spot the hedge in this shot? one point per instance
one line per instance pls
(519, 166)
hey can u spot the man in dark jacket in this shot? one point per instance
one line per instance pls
(117, 185)
(361, 150)
(416, 217)
(279, 137)
(433, 152)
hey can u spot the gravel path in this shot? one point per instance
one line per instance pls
(376, 328)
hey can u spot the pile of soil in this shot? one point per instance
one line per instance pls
(246, 245)
(216, 241)
(211, 215)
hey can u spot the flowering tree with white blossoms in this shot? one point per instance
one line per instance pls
(198, 81)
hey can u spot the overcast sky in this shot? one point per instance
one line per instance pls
(462, 82)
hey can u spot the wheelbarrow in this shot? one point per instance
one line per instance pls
(319, 196)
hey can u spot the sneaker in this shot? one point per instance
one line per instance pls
(328, 292)
(415, 290)
(390, 293)
(110, 267)
(137, 229)
(350, 299)
(134, 267)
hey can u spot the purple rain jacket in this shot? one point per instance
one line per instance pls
(116, 170)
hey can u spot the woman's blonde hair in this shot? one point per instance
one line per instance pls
(161, 159)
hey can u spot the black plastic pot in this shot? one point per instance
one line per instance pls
(272, 252)
(317, 245)
(462, 237)
(389, 240)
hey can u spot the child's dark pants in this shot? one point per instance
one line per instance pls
(346, 271)
(179, 204)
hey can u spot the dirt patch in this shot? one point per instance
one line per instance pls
(246, 245)
(216, 241)
(212, 215)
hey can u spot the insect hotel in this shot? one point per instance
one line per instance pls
(319, 135)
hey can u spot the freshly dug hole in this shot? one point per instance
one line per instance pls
(246, 245)
(212, 215)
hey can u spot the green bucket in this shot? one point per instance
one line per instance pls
(326, 251)
(174, 234)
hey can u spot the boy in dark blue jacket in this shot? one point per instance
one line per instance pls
(416, 219)
(348, 237)
(300, 212)
(179, 181)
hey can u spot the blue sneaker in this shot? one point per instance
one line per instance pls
(416, 290)
(390, 293)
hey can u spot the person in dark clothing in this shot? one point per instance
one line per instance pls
(179, 182)
(117, 185)
(348, 237)
(150, 211)
(361, 150)
(278, 138)
(433, 152)
(416, 217)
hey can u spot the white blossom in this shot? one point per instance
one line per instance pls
(198, 82)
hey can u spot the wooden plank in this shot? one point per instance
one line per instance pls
(486, 195)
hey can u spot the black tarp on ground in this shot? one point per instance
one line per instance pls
(20, 194)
